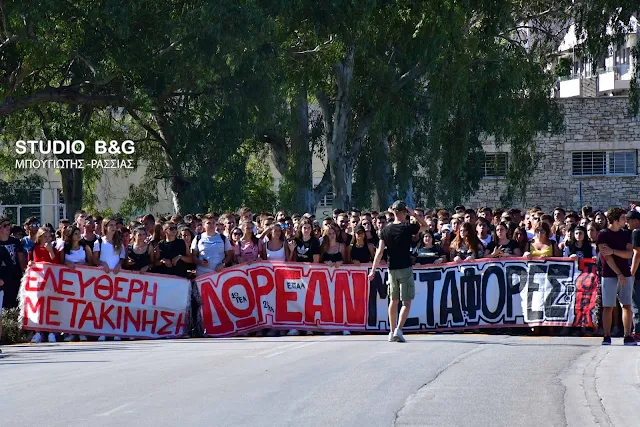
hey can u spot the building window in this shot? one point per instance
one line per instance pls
(326, 201)
(603, 163)
(495, 165)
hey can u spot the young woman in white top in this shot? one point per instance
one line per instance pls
(75, 252)
(276, 250)
(109, 252)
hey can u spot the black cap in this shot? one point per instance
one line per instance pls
(359, 229)
(399, 205)
(633, 214)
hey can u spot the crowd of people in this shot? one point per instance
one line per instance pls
(196, 244)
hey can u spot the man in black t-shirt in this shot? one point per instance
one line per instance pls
(14, 263)
(173, 251)
(397, 238)
(633, 220)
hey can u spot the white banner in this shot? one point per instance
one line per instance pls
(88, 301)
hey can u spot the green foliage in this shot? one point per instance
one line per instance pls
(12, 333)
(15, 191)
(194, 81)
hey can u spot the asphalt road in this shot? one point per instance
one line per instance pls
(359, 380)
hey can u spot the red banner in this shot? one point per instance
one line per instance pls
(88, 301)
(483, 293)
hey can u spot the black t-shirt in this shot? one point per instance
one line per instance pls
(306, 250)
(10, 270)
(586, 251)
(635, 242)
(13, 247)
(508, 249)
(428, 256)
(398, 238)
(170, 250)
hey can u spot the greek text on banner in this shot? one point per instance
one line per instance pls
(483, 293)
(88, 301)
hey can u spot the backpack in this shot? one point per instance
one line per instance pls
(222, 236)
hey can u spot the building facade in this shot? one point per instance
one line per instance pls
(594, 162)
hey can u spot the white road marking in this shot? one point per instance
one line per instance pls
(106, 414)
(297, 347)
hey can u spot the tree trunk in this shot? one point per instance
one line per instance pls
(337, 145)
(301, 153)
(177, 183)
(72, 190)
(385, 191)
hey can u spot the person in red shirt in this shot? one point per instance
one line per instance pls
(43, 250)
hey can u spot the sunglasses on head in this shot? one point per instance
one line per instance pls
(34, 224)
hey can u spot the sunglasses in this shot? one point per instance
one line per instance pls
(237, 234)
(5, 225)
(174, 228)
(541, 232)
(34, 224)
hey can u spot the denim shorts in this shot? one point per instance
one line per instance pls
(611, 289)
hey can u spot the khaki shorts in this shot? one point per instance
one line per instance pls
(401, 285)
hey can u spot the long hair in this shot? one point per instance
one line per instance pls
(299, 230)
(270, 232)
(249, 225)
(116, 241)
(324, 246)
(421, 242)
(471, 240)
(68, 238)
(41, 232)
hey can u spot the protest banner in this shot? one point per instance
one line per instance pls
(477, 294)
(88, 301)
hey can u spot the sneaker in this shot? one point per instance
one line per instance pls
(606, 341)
(391, 338)
(51, 337)
(117, 339)
(346, 333)
(309, 333)
(397, 334)
(102, 338)
(629, 340)
(37, 338)
(69, 338)
(83, 338)
(636, 337)
(132, 339)
(293, 333)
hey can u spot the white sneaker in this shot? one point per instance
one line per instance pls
(346, 333)
(37, 338)
(83, 338)
(51, 337)
(117, 339)
(397, 334)
(391, 338)
(293, 333)
(69, 338)
(102, 338)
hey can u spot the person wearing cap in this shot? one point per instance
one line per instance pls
(633, 220)
(397, 238)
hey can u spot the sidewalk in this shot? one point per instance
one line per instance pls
(603, 387)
